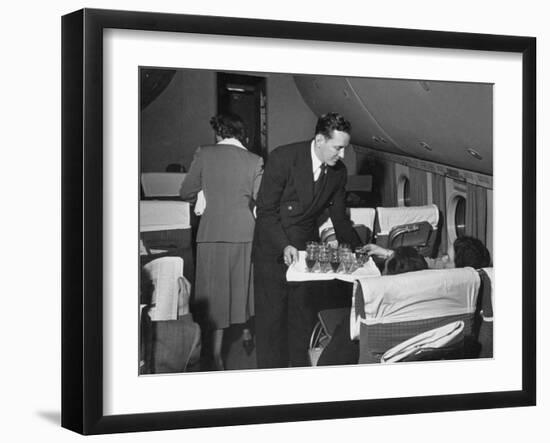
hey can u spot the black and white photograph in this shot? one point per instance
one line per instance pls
(275, 221)
(298, 221)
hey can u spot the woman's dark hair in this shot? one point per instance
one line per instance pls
(332, 122)
(229, 126)
(405, 259)
(470, 251)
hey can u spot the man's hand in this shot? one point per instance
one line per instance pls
(377, 251)
(290, 255)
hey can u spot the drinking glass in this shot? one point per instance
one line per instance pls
(344, 247)
(347, 261)
(334, 260)
(311, 258)
(324, 259)
(312, 255)
(361, 256)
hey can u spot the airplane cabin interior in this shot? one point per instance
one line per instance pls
(419, 174)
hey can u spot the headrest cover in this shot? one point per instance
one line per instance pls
(419, 295)
(388, 218)
(164, 273)
(363, 216)
(162, 184)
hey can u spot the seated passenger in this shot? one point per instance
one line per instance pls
(468, 251)
(341, 350)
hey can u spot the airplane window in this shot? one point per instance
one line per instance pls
(460, 217)
(403, 192)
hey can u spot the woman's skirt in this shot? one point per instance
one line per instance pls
(224, 291)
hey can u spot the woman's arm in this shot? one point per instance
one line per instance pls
(192, 183)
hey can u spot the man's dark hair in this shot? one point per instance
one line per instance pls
(229, 126)
(332, 122)
(470, 251)
(405, 259)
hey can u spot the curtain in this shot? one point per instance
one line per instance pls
(476, 212)
(418, 187)
(388, 185)
(439, 195)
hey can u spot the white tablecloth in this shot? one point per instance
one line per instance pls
(298, 272)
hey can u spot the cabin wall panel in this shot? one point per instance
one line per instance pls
(177, 122)
(489, 240)
(439, 198)
(289, 119)
(384, 184)
(476, 212)
(418, 186)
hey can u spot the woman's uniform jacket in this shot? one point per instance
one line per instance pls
(230, 177)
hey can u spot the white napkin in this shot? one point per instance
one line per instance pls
(434, 338)
(200, 205)
(298, 272)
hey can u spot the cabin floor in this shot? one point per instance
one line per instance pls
(234, 354)
(333, 294)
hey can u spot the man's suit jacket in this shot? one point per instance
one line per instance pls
(288, 210)
(230, 177)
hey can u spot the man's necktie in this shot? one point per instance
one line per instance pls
(318, 184)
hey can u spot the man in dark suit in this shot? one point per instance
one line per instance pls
(300, 181)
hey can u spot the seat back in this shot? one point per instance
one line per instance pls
(415, 226)
(161, 184)
(392, 309)
(484, 314)
(160, 215)
(165, 230)
(363, 223)
(413, 234)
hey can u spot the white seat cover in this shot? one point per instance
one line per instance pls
(419, 295)
(363, 216)
(164, 273)
(389, 218)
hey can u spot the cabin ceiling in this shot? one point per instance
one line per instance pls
(444, 122)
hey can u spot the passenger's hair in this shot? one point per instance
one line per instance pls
(405, 259)
(175, 167)
(470, 251)
(332, 122)
(229, 126)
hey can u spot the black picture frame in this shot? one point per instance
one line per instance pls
(82, 218)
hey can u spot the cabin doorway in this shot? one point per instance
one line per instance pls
(245, 95)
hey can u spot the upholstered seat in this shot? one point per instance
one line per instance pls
(389, 310)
